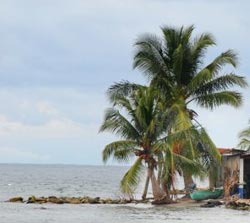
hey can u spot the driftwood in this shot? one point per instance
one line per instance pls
(231, 180)
(240, 204)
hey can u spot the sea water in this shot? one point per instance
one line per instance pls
(101, 181)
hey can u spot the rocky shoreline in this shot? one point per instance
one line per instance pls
(237, 204)
(73, 200)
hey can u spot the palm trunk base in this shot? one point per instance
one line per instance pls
(145, 191)
(162, 201)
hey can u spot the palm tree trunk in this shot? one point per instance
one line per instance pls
(158, 192)
(145, 191)
(188, 180)
(166, 190)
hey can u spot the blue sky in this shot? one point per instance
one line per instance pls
(58, 57)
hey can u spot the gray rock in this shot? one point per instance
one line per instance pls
(16, 199)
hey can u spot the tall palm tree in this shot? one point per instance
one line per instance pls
(142, 121)
(174, 64)
(244, 137)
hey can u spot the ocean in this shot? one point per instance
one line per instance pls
(94, 181)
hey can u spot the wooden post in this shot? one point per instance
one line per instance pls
(241, 179)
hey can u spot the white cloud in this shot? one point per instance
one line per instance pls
(66, 53)
(10, 155)
(90, 42)
(46, 108)
(55, 128)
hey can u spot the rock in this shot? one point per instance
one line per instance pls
(102, 201)
(64, 200)
(95, 200)
(55, 200)
(211, 204)
(31, 200)
(41, 200)
(84, 200)
(75, 200)
(207, 205)
(108, 201)
(116, 201)
(123, 201)
(16, 199)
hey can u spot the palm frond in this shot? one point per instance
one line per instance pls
(213, 100)
(201, 78)
(191, 166)
(173, 37)
(244, 137)
(244, 144)
(178, 57)
(122, 89)
(221, 83)
(208, 146)
(121, 150)
(149, 56)
(200, 46)
(118, 124)
(228, 57)
(132, 177)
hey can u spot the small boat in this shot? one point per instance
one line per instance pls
(200, 195)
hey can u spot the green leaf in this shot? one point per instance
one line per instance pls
(132, 177)
(120, 150)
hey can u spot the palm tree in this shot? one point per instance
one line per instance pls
(141, 125)
(140, 118)
(244, 137)
(174, 64)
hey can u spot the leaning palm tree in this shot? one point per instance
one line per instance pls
(244, 137)
(142, 121)
(139, 120)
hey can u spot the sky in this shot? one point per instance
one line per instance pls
(58, 57)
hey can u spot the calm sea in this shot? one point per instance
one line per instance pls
(102, 181)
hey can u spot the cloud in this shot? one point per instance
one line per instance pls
(12, 155)
(45, 108)
(91, 42)
(59, 57)
(55, 128)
